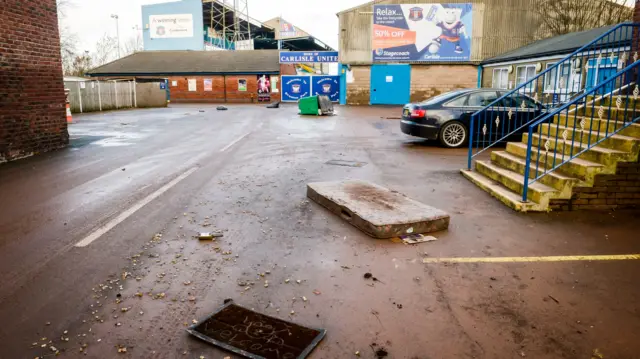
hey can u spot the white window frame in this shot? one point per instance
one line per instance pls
(493, 79)
(526, 67)
(568, 84)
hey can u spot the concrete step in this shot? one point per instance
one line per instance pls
(624, 114)
(577, 167)
(625, 101)
(538, 192)
(503, 194)
(573, 121)
(553, 179)
(616, 142)
(602, 155)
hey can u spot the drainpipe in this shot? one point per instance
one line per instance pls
(79, 94)
(479, 76)
(135, 93)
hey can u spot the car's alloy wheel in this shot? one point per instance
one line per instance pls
(453, 134)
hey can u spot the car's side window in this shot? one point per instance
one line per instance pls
(482, 99)
(457, 102)
(515, 100)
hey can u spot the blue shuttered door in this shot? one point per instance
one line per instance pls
(390, 84)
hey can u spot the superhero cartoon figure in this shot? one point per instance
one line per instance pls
(452, 29)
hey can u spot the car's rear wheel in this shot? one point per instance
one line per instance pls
(453, 134)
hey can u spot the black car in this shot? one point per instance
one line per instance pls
(447, 117)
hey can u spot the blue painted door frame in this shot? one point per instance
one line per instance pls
(601, 73)
(390, 84)
(342, 71)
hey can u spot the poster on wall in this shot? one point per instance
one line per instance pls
(242, 85)
(422, 32)
(193, 85)
(208, 84)
(170, 26)
(264, 88)
(326, 85)
(295, 88)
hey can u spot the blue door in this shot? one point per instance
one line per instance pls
(390, 84)
(601, 73)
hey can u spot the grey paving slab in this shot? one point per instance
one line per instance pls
(377, 211)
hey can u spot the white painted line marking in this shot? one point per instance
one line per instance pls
(234, 142)
(124, 215)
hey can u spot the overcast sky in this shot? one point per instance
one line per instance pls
(90, 19)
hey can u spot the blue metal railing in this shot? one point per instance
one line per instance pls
(535, 96)
(595, 124)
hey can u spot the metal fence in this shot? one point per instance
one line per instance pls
(90, 96)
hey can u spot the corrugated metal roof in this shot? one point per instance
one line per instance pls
(192, 62)
(563, 44)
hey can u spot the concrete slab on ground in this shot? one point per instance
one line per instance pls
(377, 211)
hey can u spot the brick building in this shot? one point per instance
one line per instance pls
(32, 100)
(205, 76)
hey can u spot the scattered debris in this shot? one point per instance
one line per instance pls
(345, 267)
(221, 108)
(298, 281)
(381, 353)
(375, 314)
(493, 278)
(122, 350)
(304, 299)
(287, 280)
(417, 238)
(597, 354)
(200, 110)
(317, 292)
(274, 105)
(357, 353)
(554, 299)
(209, 235)
(368, 275)
(228, 300)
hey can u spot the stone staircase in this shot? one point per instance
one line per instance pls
(606, 176)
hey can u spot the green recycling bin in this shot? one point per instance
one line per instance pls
(308, 105)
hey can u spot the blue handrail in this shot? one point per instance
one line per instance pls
(616, 40)
(626, 76)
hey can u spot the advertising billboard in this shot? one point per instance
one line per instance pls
(264, 88)
(422, 32)
(326, 85)
(295, 88)
(170, 26)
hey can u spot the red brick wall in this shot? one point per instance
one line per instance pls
(610, 191)
(181, 93)
(32, 100)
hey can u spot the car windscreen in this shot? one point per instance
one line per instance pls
(441, 97)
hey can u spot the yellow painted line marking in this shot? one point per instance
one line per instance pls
(614, 257)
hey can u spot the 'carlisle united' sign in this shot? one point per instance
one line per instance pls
(295, 57)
